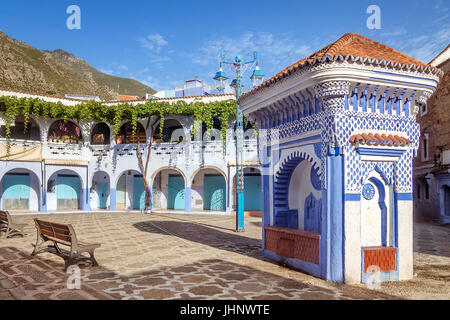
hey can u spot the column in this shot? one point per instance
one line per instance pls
(187, 199)
(112, 199)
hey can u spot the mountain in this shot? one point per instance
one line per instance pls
(25, 68)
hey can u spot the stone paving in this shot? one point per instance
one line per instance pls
(173, 256)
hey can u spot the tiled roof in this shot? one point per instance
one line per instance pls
(351, 46)
(379, 139)
(122, 97)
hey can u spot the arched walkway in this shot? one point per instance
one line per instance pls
(20, 190)
(64, 131)
(65, 191)
(126, 135)
(173, 131)
(130, 191)
(169, 190)
(100, 191)
(209, 191)
(101, 134)
(297, 195)
(18, 131)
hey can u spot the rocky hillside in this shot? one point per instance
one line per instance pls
(25, 68)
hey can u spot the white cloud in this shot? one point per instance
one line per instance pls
(276, 50)
(423, 47)
(153, 42)
(395, 32)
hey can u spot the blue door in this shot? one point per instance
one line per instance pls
(138, 193)
(102, 194)
(214, 194)
(176, 192)
(252, 193)
(16, 192)
(68, 189)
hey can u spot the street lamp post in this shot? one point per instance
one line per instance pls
(257, 77)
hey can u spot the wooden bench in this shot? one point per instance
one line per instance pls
(65, 235)
(9, 226)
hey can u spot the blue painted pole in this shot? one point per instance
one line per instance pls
(240, 224)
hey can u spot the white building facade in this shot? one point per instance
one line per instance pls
(91, 170)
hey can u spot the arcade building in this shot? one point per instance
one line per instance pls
(338, 133)
(59, 166)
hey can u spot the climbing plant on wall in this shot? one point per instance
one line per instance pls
(114, 114)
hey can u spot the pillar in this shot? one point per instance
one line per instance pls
(112, 199)
(335, 216)
(187, 199)
(85, 205)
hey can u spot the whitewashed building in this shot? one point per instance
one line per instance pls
(40, 172)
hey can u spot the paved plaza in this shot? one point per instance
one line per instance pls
(175, 256)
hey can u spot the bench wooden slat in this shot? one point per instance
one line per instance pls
(55, 230)
(65, 235)
(56, 237)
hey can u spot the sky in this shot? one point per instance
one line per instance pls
(164, 43)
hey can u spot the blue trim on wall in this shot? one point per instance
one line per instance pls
(379, 152)
(352, 197)
(383, 208)
(395, 219)
(404, 196)
(299, 140)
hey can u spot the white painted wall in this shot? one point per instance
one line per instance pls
(352, 242)
(300, 188)
(405, 239)
(371, 220)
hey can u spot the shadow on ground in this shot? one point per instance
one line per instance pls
(205, 235)
(40, 278)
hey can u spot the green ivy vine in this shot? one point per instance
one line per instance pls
(96, 111)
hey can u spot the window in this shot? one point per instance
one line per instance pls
(427, 191)
(423, 109)
(425, 146)
(418, 190)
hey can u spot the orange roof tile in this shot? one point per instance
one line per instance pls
(122, 97)
(379, 139)
(350, 45)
